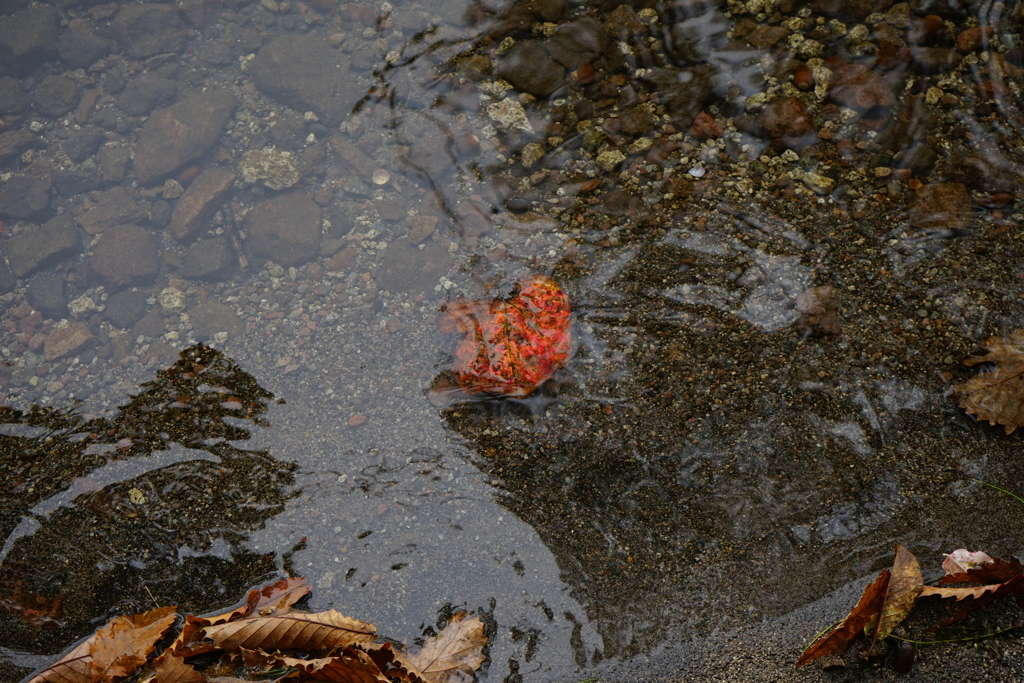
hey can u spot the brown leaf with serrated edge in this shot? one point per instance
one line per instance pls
(1014, 585)
(277, 598)
(838, 641)
(997, 570)
(170, 668)
(904, 587)
(997, 395)
(72, 667)
(455, 650)
(351, 665)
(293, 630)
(124, 644)
(393, 664)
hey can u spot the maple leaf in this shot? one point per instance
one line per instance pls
(292, 630)
(510, 345)
(456, 650)
(123, 646)
(837, 642)
(904, 587)
(996, 395)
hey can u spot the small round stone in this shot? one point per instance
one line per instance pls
(381, 177)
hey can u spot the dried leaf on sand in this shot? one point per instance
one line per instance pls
(996, 395)
(351, 665)
(294, 630)
(904, 587)
(171, 668)
(455, 651)
(838, 641)
(123, 645)
(994, 590)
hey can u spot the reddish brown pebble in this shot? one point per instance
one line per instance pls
(467, 146)
(803, 78)
(356, 420)
(705, 127)
(833, 62)
(584, 73)
(188, 174)
(1015, 56)
(973, 38)
(926, 31)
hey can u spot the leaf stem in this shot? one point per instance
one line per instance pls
(991, 486)
(823, 632)
(954, 640)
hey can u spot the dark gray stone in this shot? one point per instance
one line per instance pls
(82, 144)
(28, 38)
(13, 99)
(160, 213)
(210, 318)
(24, 197)
(577, 42)
(46, 294)
(13, 143)
(116, 206)
(69, 183)
(531, 69)
(150, 325)
(146, 92)
(209, 260)
(55, 240)
(306, 73)
(285, 229)
(407, 268)
(7, 280)
(180, 134)
(193, 210)
(55, 96)
(124, 309)
(683, 91)
(125, 255)
(80, 47)
(147, 30)
(113, 162)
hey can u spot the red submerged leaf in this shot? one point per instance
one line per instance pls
(510, 346)
(838, 641)
(997, 570)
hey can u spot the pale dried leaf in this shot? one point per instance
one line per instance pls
(904, 587)
(170, 668)
(124, 644)
(961, 560)
(74, 667)
(1014, 585)
(294, 630)
(458, 648)
(997, 395)
(838, 641)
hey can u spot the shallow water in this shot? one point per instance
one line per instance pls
(704, 460)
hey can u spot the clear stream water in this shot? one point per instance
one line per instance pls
(700, 463)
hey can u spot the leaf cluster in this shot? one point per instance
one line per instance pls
(265, 639)
(890, 598)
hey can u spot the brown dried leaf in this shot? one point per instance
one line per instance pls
(455, 650)
(351, 665)
(997, 395)
(395, 666)
(838, 641)
(1014, 585)
(276, 598)
(124, 645)
(72, 667)
(293, 630)
(170, 668)
(997, 570)
(904, 587)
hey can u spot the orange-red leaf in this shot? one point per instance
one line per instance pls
(1014, 585)
(455, 651)
(170, 668)
(838, 641)
(997, 570)
(904, 587)
(124, 644)
(293, 630)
